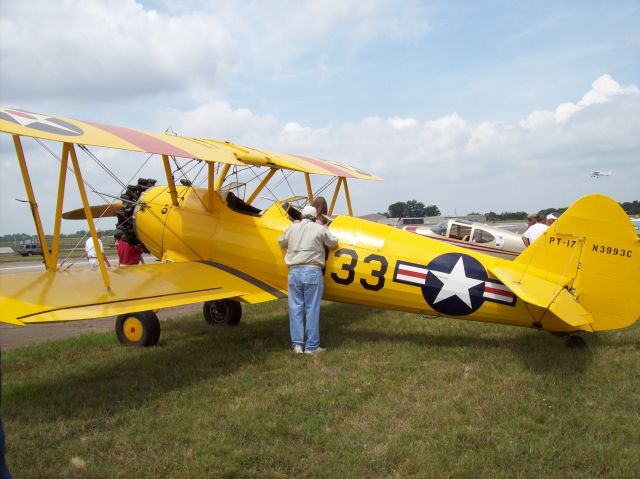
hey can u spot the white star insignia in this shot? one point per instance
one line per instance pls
(455, 283)
(27, 119)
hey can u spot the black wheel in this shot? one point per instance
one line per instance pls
(30, 253)
(575, 341)
(222, 312)
(138, 329)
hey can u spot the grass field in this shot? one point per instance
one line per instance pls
(395, 396)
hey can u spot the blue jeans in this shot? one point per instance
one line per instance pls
(306, 286)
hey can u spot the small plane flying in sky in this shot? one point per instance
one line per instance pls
(600, 174)
(215, 246)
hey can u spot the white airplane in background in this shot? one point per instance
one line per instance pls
(598, 174)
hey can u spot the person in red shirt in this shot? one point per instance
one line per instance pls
(127, 254)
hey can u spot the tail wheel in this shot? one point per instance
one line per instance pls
(138, 329)
(222, 312)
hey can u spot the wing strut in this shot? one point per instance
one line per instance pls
(307, 180)
(170, 181)
(211, 172)
(262, 184)
(335, 196)
(223, 175)
(347, 195)
(62, 180)
(32, 202)
(89, 216)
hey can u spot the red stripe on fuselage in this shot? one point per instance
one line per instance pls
(415, 274)
(143, 141)
(488, 289)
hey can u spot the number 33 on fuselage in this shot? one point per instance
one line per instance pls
(385, 267)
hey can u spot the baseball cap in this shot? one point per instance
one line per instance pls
(309, 211)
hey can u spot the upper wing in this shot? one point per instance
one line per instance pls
(288, 161)
(66, 130)
(25, 123)
(73, 295)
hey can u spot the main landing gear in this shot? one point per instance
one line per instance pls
(143, 328)
(224, 312)
(138, 329)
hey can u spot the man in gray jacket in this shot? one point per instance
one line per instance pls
(305, 242)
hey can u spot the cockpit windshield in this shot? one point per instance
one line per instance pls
(440, 228)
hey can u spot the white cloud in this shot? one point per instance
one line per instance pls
(116, 50)
(539, 162)
(402, 123)
(460, 166)
(106, 50)
(603, 90)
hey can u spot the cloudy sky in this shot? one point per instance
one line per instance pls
(469, 105)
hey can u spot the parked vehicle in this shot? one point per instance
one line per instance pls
(29, 249)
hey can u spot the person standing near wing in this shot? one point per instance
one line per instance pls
(305, 242)
(127, 254)
(535, 231)
(90, 252)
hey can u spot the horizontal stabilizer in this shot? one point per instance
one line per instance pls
(545, 294)
(81, 294)
(569, 310)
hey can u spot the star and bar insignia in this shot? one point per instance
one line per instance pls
(40, 122)
(454, 284)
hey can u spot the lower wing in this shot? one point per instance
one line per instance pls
(74, 295)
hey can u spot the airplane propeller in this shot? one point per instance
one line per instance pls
(98, 211)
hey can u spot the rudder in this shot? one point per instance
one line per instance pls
(594, 251)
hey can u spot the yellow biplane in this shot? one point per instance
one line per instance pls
(215, 246)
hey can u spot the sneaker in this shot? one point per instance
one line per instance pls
(297, 349)
(315, 351)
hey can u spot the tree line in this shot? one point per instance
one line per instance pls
(417, 209)
(411, 209)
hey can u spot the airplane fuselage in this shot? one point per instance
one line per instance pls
(374, 265)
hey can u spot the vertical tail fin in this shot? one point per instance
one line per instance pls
(594, 250)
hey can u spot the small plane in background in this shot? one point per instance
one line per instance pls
(214, 245)
(475, 236)
(600, 174)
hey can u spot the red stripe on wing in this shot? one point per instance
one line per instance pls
(336, 170)
(143, 141)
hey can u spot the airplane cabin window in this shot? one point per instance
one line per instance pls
(482, 236)
(459, 231)
(440, 228)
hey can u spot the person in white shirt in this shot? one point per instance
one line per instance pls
(90, 252)
(535, 231)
